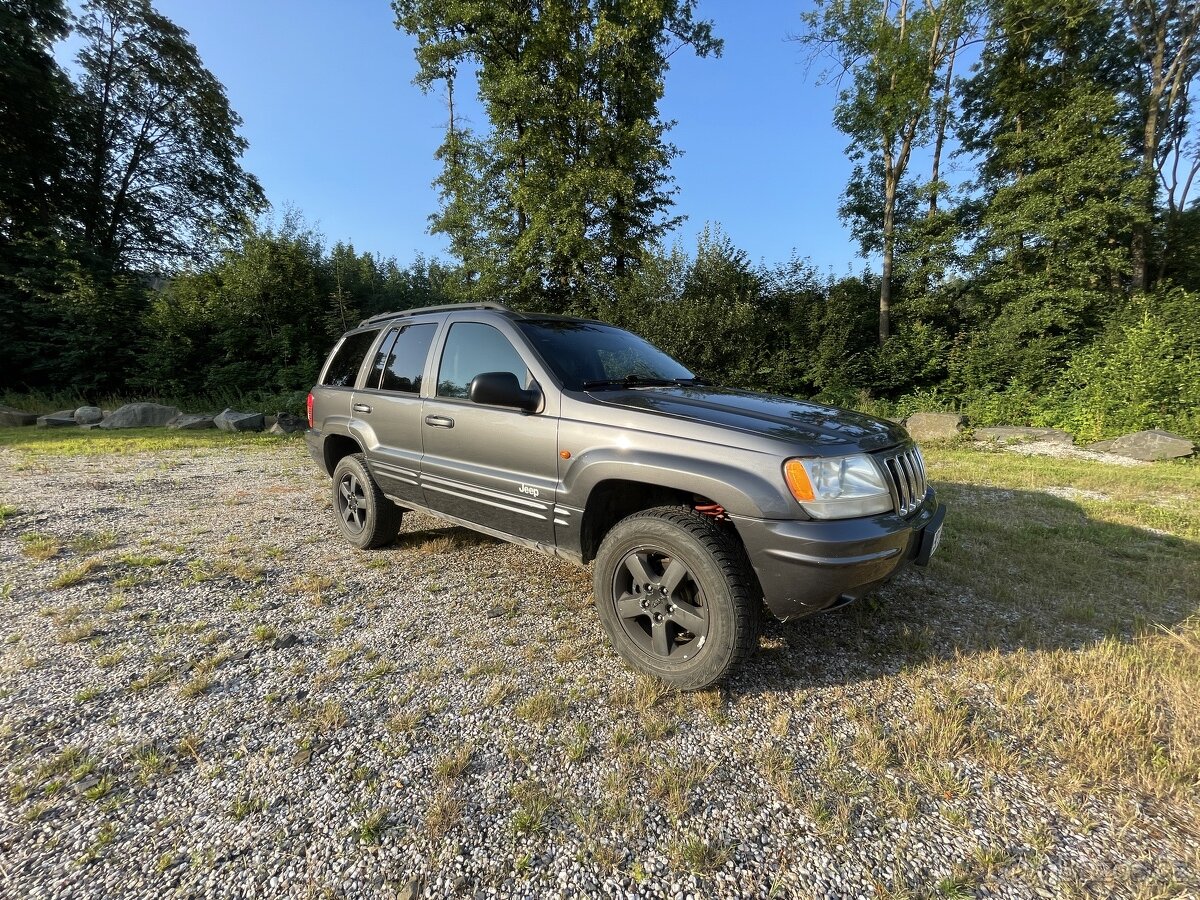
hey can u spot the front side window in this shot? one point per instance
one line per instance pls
(406, 361)
(472, 348)
(342, 370)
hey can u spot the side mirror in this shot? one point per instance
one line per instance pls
(503, 389)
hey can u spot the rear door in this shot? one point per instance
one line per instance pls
(388, 406)
(489, 465)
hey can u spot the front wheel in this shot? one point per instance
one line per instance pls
(365, 517)
(673, 592)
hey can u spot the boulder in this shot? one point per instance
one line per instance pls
(286, 423)
(15, 418)
(1152, 445)
(88, 415)
(934, 426)
(232, 420)
(1101, 446)
(57, 419)
(191, 422)
(140, 415)
(1019, 434)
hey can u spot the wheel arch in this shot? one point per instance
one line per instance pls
(335, 447)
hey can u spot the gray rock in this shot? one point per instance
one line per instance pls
(57, 419)
(1152, 445)
(934, 426)
(302, 758)
(286, 423)
(288, 640)
(232, 420)
(1102, 446)
(16, 418)
(88, 415)
(140, 415)
(1017, 434)
(191, 422)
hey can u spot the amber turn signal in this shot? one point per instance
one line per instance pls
(566, 454)
(797, 480)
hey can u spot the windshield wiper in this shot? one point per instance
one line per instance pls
(635, 380)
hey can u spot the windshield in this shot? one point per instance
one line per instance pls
(588, 355)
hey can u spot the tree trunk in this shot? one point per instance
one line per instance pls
(889, 248)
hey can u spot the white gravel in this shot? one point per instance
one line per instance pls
(395, 654)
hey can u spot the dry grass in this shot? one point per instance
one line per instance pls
(1078, 651)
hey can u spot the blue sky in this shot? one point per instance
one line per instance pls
(338, 130)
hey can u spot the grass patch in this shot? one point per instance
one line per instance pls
(49, 443)
(76, 574)
(539, 708)
(39, 546)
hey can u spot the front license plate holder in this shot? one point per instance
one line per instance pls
(931, 537)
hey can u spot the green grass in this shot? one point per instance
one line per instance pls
(52, 442)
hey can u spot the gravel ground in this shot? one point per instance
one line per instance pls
(203, 692)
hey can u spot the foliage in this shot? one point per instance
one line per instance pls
(564, 194)
(157, 146)
(1143, 373)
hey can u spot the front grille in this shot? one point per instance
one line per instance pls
(906, 477)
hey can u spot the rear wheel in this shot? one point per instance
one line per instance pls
(673, 592)
(365, 517)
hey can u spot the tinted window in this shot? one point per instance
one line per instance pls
(472, 348)
(381, 358)
(343, 368)
(406, 360)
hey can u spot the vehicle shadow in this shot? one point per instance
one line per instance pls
(439, 537)
(1016, 570)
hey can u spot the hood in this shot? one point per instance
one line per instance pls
(770, 415)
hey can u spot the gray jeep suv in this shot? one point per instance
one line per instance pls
(694, 503)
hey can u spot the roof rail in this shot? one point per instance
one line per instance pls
(445, 307)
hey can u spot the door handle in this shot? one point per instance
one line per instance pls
(361, 407)
(439, 421)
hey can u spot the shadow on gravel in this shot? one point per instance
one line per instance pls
(1016, 569)
(443, 539)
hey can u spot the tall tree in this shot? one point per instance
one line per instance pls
(159, 154)
(1165, 36)
(895, 54)
(35, 96)
(36, 100)
(1057, 193)
(570, 185)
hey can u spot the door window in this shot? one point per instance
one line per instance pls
(406, 359)
(472, 348)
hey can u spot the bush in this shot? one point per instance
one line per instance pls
(1143, 374)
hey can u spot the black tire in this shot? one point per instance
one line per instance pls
(365, 517)
(688, 626)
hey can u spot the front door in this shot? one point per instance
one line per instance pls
(488, 465)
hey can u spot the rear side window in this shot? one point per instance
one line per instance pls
(406, 361)
(342, 370)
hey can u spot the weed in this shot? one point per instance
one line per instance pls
(451, 766)
(539, 708)
(39, 546)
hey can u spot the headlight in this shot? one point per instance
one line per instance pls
(840, 487)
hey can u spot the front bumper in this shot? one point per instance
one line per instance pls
(807, 566)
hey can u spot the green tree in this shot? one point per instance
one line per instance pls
(158, 151)
(1164, 35)
(1057, 194)
(895, 55)
(35, 117)
(570, 185)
